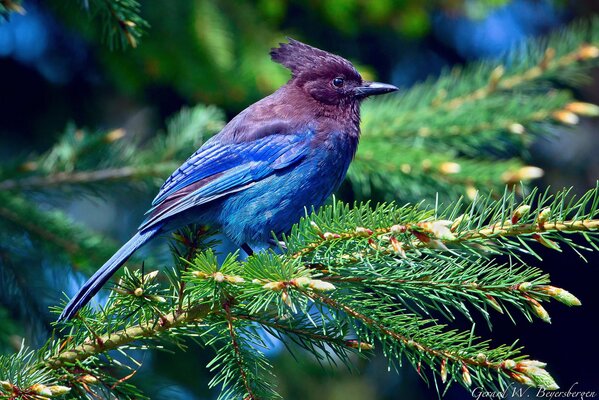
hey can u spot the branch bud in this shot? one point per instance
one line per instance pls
(546, 242)
(543, 216)
(355, 344)
(276, 286)
(495, 77)
(365, 232)
(561, 295)
(584, 109)
(471, 192)
(439, 229)
(114, 135)
(444, 370)
(525, 173)
(466, 375)
(330, 236)
(492, 301)
(58, 390)
(588, 51)
(234, 279)
(219, 277)
(536, 372)
(398, 229)
(520, 212)
(316, 228)
(321, 286)
(448, 168)
(565, 117)
(89, 379)
(539, 310)
(138, 292)
(158, 299)
(302, 282)
(40, 389)
(516, 129)
(397, 247)
(285, 298)
(459, 221)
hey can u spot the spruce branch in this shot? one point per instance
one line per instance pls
(431, 135)
(121, 21)
(343, 286)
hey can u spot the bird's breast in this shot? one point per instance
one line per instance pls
(277, 202)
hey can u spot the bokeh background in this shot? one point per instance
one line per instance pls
(55, 70)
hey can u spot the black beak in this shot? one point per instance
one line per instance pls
(373, 88)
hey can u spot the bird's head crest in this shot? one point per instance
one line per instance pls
(299, 57)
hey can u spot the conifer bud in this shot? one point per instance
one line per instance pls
(397, 247)
(276, 286)
(525, 173)
(355, 344)
(544, 215)
(508, 364)
(471, 192)
(302, 282)
(492, 301)
(398, 229)
(218, 277)
(537, 374)
(40, 389)
(481, 358)
(150, 275)
(439, 229)
(114, 135)
(546, 242)
(565, 117)
(449, 168)
(444, 370)
(588, 51)
(88, 379)
(138, 292)
(330, 236)
(365, 232)
(458, 221)
(6, 385)
(234, 279)
(516, 128)
(539, 310)
(320, 286)
(496, 76)
(466, 375)
(316, 228)
(157, 299)
(584, 109)
(285, 298)
(520, 212)
(561, 295)
(521, 378)
(58, 390)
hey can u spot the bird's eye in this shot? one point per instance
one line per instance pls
(338, 82)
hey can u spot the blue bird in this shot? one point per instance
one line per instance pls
(288, 151)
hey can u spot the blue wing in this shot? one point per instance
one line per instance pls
(216, 170)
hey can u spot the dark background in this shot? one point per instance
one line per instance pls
(55, 70)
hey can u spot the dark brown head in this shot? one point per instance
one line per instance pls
(326, 77)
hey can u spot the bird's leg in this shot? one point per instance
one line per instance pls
(248, 250)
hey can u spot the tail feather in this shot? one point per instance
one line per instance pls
(93, 284)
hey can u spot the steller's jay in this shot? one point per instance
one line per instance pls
(288, 151)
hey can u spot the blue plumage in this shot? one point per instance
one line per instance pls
(282, 155)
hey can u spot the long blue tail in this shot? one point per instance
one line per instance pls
(93, 284)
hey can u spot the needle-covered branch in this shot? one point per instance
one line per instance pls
(346, 284)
